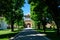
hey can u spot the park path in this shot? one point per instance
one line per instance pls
(30, 34)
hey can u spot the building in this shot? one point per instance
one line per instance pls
(3, 24)
(27, 20)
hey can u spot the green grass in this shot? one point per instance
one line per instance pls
(47, 30)
(6, 34)
(4, 39)
(51, 34)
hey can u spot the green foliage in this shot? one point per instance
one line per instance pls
(11, 10)
(55, 11)
(39, 10)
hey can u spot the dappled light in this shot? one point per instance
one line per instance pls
(31, 35)
(36, 35)
(29, 20)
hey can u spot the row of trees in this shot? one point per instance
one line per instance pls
(54, 10)
(41, 9)
(11, 10)
(39, 12)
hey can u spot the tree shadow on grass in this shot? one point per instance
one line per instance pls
(7, 35)
(52, 35)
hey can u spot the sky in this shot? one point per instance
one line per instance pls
(26, 8)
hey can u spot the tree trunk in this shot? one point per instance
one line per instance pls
(44, 27)
(44, 23)
(12, 25)
(38, 25)
(58, 26)
(18, 25)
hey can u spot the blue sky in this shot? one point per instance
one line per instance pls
(26, 8)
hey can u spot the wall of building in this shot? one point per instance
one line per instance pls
(28, 22)
(3, 24)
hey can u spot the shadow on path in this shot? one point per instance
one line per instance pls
(30, 34)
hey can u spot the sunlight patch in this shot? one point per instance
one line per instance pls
(37, 35)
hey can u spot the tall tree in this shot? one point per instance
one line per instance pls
(38, 10)
(54, 10)
(8, 9)
(19, 16)
(35, 14)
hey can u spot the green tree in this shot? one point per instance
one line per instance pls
(9, 10)
(38, 8)
(19, 17)
(54, 10)
(35, 14)
(39, 12)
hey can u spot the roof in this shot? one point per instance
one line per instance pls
(27, 20)
(27, 15)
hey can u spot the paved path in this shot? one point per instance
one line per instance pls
(30, 34)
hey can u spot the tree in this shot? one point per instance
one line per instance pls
(19, 16)
(54, 10)
(8, 9)
(39, 10)
(35, 14)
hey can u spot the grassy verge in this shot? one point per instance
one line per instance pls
(51, 34)
(6, 34)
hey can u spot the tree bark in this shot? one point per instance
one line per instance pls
(12, 25)
(44, 27)
(38, 25)
(18, 25)
(44, 23)
(58, 26)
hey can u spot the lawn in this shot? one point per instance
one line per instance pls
(6, 34)
(51, 34)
